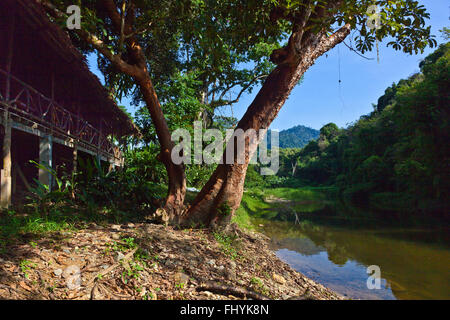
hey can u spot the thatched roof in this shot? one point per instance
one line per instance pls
(59, 41)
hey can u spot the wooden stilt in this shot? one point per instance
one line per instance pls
(75, 157)
(5, 197)
(5, 175)
(45, 158)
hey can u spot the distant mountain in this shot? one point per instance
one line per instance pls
(296, 137)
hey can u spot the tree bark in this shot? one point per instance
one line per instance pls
(222, 194)
(176, 173)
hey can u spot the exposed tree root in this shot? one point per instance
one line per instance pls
(98, 288)
(229, 290)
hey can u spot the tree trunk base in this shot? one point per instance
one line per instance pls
(216, 204)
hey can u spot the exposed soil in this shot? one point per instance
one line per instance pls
(150, 261)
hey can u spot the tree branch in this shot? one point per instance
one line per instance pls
(122, 24)
(126, 26)
(328, 43)
(95, 42)
(221, 102)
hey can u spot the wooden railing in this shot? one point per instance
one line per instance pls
(28, 103)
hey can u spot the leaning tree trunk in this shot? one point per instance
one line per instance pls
(176, 174)
(222, 194)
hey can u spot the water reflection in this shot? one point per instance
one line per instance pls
(414, 262)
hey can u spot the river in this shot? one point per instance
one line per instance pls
(335, 250)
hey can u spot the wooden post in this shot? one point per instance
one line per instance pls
(45, 158)
(5, 175)
(75, 157)
(5, 197)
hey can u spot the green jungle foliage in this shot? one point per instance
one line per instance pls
(395, 158)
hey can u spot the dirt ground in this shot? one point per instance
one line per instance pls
(150, 261)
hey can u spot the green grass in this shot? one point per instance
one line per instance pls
(258, 285)
(229, 244)
(299, 194)
(25, 266)
(242, 219)
(254, 205)
(15, 226)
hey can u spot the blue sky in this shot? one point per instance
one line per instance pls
(319, 99)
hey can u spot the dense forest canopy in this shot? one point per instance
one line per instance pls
(295, 137)
(396, 157)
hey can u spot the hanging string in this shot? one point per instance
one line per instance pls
(339, 65)
(378, 52)
(340, 81)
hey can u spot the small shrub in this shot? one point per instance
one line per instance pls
(228, 243)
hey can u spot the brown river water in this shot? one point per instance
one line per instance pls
(414, 261)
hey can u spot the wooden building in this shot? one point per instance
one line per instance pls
(52, 108)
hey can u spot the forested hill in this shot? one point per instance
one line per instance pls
(296, 137)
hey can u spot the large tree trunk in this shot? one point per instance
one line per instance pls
(176, 173)
(221, 196)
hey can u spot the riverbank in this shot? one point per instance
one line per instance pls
(333, 243)
(149, 261)
(280, 203)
